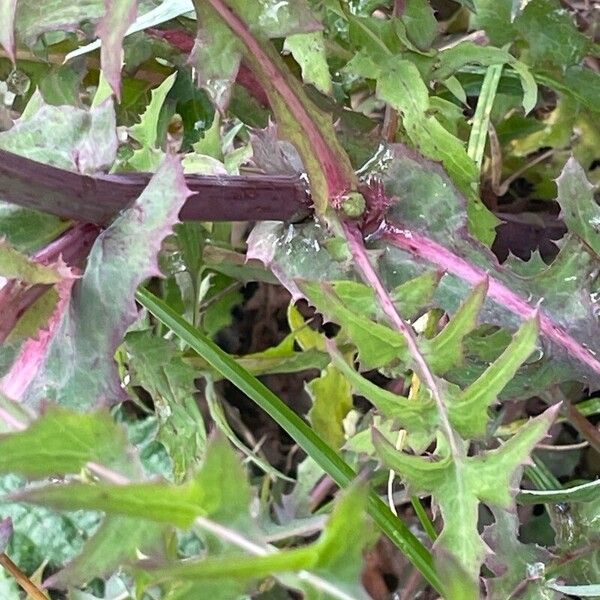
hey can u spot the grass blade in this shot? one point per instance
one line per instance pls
(304, 436)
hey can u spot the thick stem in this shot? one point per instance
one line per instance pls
(98, 200)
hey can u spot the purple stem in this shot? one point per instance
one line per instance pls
(99, 199)
(429, 250)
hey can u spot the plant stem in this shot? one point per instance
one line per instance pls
(32, 590)
(98, 200)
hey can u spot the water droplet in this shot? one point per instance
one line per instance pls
(535, 570)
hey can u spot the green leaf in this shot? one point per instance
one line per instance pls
(217, 413)
(9, 589)
(304, 335)
(410, 298)
(117, 540)
(338, 563)
(573, 526)
(417, 415)
(219, 491)
(377, 344)
(327, 459)
(63, 442)
(579, 210)
(15, 265)
(583, 591)
(28, 230)
(218, 314)
(148, 157)
(547, 31)
(120, 14)
(157, 366)
(510, 559)
(421, 24)
(41, 535)
(34, 18)
(551, 34)
(331, 396)
(101, 306)
(455, 58)
(308, 50)
(400, 84)
(334, 569)
(469, 408)
(584, 492)
(66, 137)
(577, 82)
(445, 350)
(460, 483)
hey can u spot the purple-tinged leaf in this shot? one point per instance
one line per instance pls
(7, 27)
(427, 222)
(78, 368)
(6, 531)
(33, 353)
(84, 141)
(25, 309)
(423, 229)
(120, 14)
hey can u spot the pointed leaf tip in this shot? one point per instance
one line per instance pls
(7, 27)
(119, 15)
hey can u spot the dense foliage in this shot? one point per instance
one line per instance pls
(385, 212)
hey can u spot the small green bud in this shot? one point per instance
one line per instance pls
(338, 249)
(353, 205)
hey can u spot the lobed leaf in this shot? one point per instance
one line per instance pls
(218, 491)
(156, 365)
(460, 484)
(149, 156)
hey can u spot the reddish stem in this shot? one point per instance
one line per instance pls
(433, 252)
(339, 181)
(99, 199)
